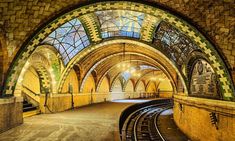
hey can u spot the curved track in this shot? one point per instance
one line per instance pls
(141, 125)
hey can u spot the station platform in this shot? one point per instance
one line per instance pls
(96, 122)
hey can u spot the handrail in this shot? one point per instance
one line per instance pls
(30, 90)
(32, 95)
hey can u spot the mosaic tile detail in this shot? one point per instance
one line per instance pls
(44, 78)
(217, 62)
(90, 22)
(148, 28)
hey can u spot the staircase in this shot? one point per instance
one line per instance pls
(29, 109)
(28, 106)
(30, 103)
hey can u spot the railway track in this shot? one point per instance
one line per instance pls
(141, 125)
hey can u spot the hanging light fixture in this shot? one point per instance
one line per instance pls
(123, 66)
(136, 71)
(153, 78)
(126, 66)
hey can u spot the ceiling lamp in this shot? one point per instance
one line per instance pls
(123, 66)
(127, 67)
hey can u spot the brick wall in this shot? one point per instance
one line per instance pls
(19, 20)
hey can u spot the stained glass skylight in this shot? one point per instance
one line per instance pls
(120, 23)
(68, 39)
(175, 44)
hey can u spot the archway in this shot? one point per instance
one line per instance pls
(117, 90)
(92, 13)
(129, 89)
(140, 88)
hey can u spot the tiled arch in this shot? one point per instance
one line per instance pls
(200, 41)
(86, 51)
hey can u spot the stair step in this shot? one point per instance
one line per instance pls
(31, 113)
(27, 105)
(29, 108)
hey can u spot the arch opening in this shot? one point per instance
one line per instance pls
(163, 32)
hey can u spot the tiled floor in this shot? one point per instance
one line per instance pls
(98, 122)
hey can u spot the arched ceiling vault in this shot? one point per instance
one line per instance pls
(145, 72)
(102, 65)
(151, 73)
(116, 46)
(106, 55)
(109, 65)
(88, 32)
(113, 72)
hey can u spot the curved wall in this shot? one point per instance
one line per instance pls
(192, 116)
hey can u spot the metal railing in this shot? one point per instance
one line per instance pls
(31, 94)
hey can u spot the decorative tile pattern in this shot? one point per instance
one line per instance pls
(91, 25)
(217, 62)
(148, 28)
(44, 78)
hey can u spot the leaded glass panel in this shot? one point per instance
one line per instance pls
(68, 39)
(120, 23)
(174, 43)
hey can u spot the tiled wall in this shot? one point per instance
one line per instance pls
(19, 19)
